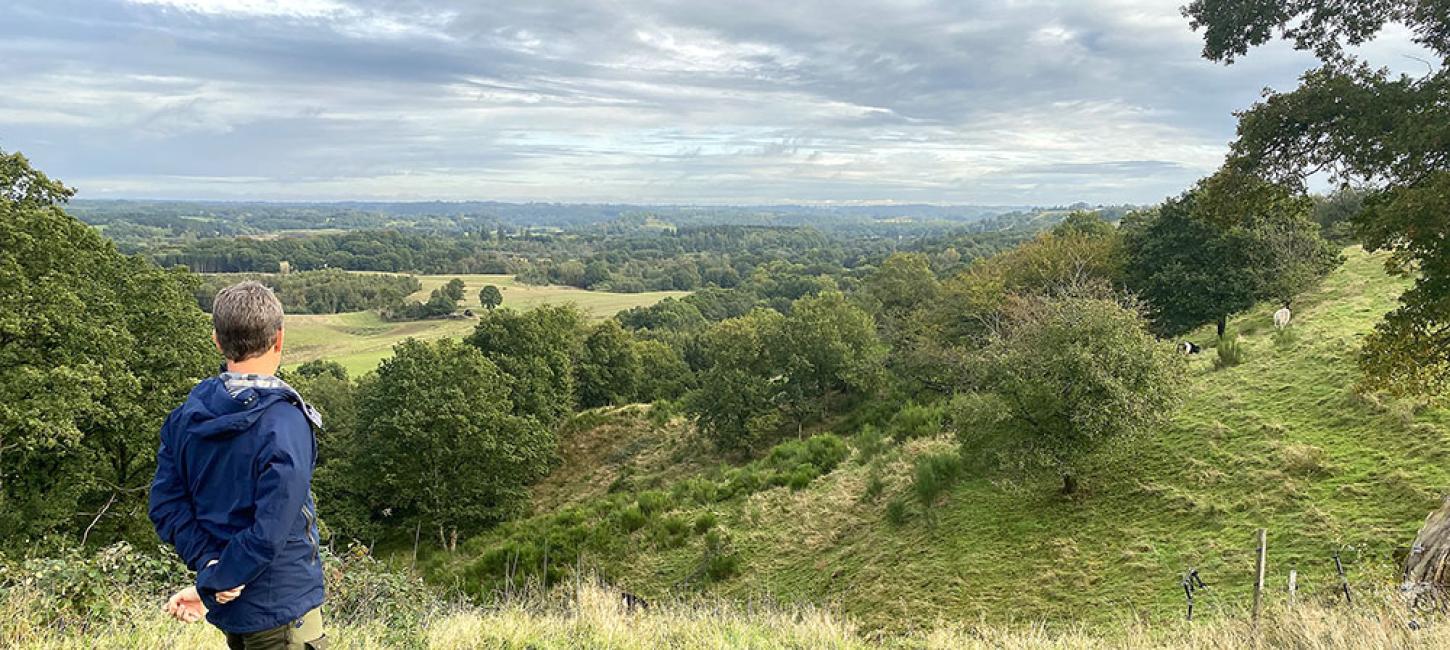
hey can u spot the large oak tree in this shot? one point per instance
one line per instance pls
(1363, 126)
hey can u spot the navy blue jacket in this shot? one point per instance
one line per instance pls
(233, 479)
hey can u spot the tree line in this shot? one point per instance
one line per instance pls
(326, 291)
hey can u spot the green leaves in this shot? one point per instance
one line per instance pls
(1363, 126)
(437, 440)
(1220, 248)
(765, 369)
(95, 349)
(1065, 375)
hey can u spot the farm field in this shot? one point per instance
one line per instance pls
(360, 340)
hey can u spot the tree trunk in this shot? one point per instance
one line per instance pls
(1427, 568)
(1222, 325)
(1069, 484)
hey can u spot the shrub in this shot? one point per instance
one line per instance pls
(802, 476)
(704, 522)
(632, 519)
(1230, 351)
(719, 563)
(361, 588)
(662, 411)
(897, 511)
(917, 421)
(673, 531)
(696, 490)
(654, 502)
(83, 584)
(721, 567)
(933, 475)
(826, 451)
(869, 444)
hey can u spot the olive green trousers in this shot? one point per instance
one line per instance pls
(302, 634)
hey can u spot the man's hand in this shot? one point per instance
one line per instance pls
(186, 606)
(224, 597)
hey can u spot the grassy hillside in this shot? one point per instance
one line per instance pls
(1282, 441)
(359, 340)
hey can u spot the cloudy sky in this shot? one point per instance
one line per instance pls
(1006, 102)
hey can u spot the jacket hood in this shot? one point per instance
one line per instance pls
(212, 412)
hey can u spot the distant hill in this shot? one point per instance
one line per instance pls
(227, 218)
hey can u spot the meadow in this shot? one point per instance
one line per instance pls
(359, 340)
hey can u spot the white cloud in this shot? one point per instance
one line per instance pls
(269, 8)
(1028, 101)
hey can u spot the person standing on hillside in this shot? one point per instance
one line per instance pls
(232, 491)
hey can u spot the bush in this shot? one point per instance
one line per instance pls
(917, 421)
(361, 588)
(869, 444)
(673, 531)
(662, 411)
(933, 475)
(802, 475)
(654, 502)
(704, 522)
(1230, 351)
(897, 511)
(721, 567)
(84, 584)
(632, 519)
(824, 451)
(719, 562)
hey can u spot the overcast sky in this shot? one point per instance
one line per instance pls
(634, 101)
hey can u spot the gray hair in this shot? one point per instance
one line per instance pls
(246, 318)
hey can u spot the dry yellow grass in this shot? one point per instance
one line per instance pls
(594, 617)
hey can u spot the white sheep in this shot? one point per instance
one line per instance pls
(1281, 318)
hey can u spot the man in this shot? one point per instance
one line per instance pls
(232, 491)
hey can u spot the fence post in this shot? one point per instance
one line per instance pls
(1293, 585)
(1343, 581)
(1188, 593)
(1259, 574)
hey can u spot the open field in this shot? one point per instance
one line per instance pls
(1283, 442)
(359, 340)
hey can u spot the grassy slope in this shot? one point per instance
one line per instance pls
(1280, 442)
(359, 340)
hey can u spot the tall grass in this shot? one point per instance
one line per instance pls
(590, 616)
(1230, 351)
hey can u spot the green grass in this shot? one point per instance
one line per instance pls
(360, 340)
(1282, 441)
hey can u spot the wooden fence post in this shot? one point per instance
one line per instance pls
(1293, 585)
(1259, 574)
(416, 530)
